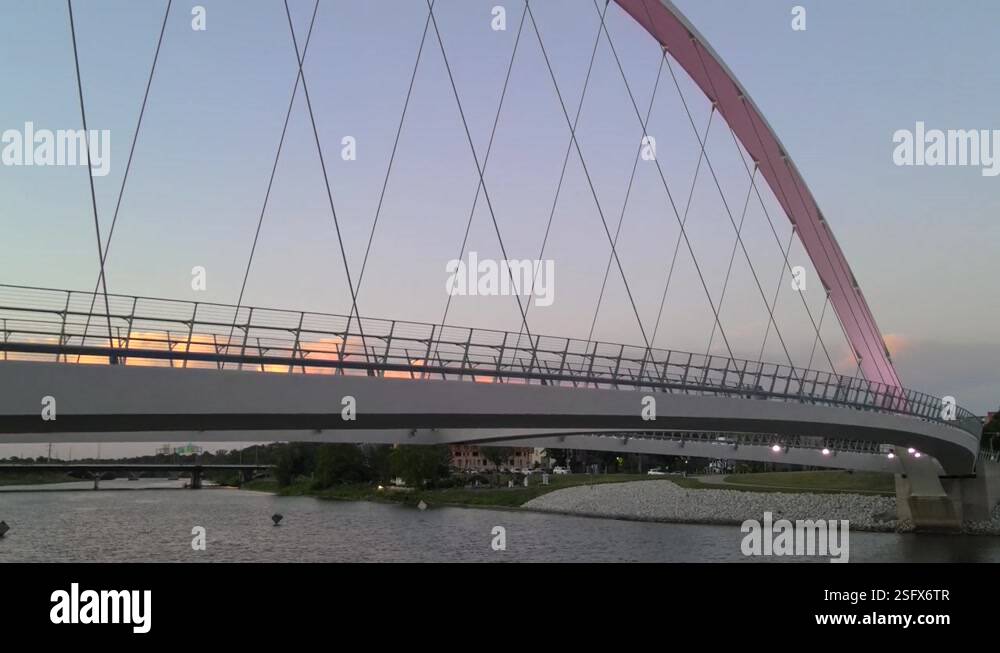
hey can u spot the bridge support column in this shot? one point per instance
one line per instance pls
(921, 499)
(195, 479)
(976, 496)
(932, 503)
(97, 477)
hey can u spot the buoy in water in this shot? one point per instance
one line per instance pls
(3, 528)
(422, 505)
(277, 517)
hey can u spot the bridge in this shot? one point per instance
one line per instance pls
(98, 470)
(96, 366)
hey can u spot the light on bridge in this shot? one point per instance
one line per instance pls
(891, 455)
(826, 452)
(776, 448)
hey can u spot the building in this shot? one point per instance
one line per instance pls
(470, 458)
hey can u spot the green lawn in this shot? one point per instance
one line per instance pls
(824, 482)
(820, 482)
(503, 497)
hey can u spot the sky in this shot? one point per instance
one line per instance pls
(920, 240)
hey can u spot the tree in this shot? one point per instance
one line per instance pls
(378, 460)
(340, 463)
(991, 432)
(497, 455)
(293, 460)
(418, 465)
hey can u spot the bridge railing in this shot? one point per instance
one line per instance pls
(73, 326)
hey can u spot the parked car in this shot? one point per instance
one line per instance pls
(560, 470)
(657, 471)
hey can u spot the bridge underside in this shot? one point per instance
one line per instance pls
(99, 403)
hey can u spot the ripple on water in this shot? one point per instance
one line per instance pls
(155, 525)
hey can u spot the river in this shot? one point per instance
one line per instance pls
(153, 521)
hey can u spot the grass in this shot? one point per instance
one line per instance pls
(825, 482)
(813, 482)
(501, 497)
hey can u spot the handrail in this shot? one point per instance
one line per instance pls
(42, 322)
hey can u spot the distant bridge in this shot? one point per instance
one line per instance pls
(99, 469)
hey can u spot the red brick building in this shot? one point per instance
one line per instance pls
(468, 457)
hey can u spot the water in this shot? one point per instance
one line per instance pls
(155, 524)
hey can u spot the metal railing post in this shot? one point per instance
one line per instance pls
(295, 346)
(246, 334)
(427, 356)
(590, 366)
(187, 349)
(562, 364)
(618, 364)
(503, 348)
(687, 369)
(131, 319)
(62, 331)
(465, 355)
(388, 347)
(170, 349)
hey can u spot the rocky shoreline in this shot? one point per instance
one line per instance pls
(667, 502)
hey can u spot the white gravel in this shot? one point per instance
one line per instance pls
(665, 501)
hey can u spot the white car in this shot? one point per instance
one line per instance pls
(657, 471)
(560, 470)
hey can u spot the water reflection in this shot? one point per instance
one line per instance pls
(156, 524)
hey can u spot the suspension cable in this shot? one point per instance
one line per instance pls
(569, 149)
(395, 145)
(270, 181)
(475, 157)
(113, 357)
(757, 190)
(329, 195)
(772, 168)
(486, 158)
(680, 234)
(732, 259)
(586, 172)
(628, 193)
(128, 166)
(739, 239)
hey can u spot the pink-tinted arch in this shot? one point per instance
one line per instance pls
(673, 31)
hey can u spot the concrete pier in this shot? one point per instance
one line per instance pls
(933, 503)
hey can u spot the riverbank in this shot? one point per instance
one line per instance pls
(35, 478)
(866, 500)
(483, 497)
(668, 502)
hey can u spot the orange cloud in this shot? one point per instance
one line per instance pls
(897, 343)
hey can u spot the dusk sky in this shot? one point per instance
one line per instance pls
(921, 240)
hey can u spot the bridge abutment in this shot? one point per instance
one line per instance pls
(931, 503)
